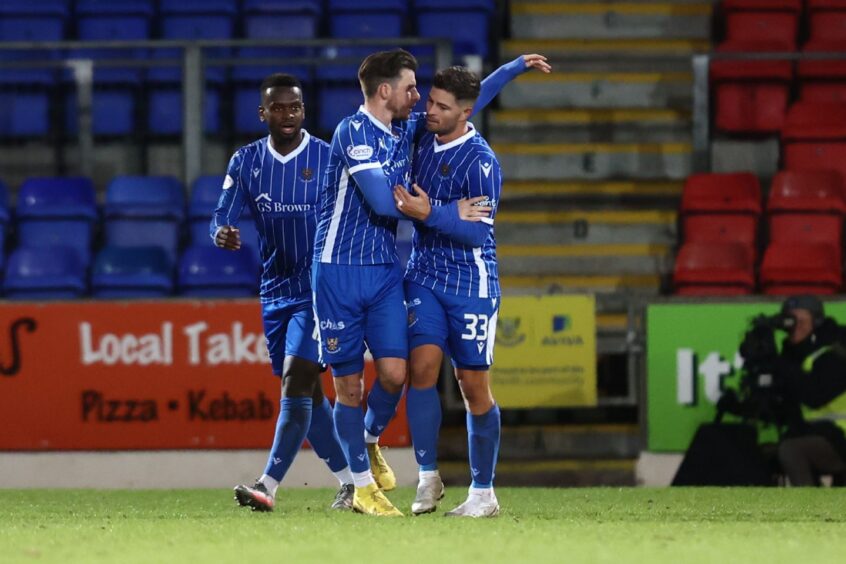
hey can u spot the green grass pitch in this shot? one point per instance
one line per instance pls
(653, 526)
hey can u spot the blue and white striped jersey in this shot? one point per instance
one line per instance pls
(283, 195)
(348, 230)
(463, 168)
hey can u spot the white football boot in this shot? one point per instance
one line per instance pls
(430, 490)
(479, 503)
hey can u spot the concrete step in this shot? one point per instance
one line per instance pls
(589, 126)
(611, 20)
(559, 90)
(601, 191)
(640, 284)
(610, 55)
(568, 161)
(583, 259)
(586, 227)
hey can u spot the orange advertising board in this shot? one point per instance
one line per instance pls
(180, 374)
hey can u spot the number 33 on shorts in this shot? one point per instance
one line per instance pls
(481, 328)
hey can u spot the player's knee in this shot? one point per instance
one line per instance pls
(423, 373)
(349, 390)
(297, 385)
(477, 396)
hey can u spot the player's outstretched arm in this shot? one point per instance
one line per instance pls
(228, 237)
(375, 189)
(497, 80)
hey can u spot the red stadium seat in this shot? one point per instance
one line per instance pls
(738, 192)
(807, 191)
(814, 137)
(763, 20)
(823, 81)
(722, 228)
(711, 267)
(751, 96)
(789, 265)
(806, 228)
(827, 20)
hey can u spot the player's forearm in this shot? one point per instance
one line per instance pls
(445, 220)
(497, 80)
(374, 187)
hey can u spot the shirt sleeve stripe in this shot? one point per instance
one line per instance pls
(364, 166)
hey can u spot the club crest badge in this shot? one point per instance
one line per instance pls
(307, 174)
(444, 169)
(332, 344)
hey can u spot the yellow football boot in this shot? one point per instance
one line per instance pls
(371, 501)
(382, 473)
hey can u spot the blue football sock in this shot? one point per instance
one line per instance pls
(324, 438)
(381, 407)
(483, 435)
(424, 422)
(291, 428)
(349, 422)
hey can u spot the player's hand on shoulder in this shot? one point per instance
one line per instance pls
(228, 237)
(538, 62)
(469, 209)
(415, 206)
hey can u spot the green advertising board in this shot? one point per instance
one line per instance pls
(692, 356)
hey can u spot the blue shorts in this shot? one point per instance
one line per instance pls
(464, 327)
(289, 330)
(358, 305)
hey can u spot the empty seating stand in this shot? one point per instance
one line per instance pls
(715, 269)
(816, 191)
(814, 137)
(790, 268)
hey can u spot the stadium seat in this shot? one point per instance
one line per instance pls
(115, 89)
(206, 271)
(336, 101)
(790, 267)
(44, 273)
(751, 96)
(24, 92)
(763, 20)
(722, 228)
(463, 21)
(827, 20)
(4, 217)
(820, 191)
(823, 81)
(806, 228)
(192, 20)
(814, 137)
(144, 211)
(135, 272)
(713, 269)
(58, 211)
(722, 193)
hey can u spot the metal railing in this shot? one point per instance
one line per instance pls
(193, 62)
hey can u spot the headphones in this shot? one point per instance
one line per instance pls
(806, 302)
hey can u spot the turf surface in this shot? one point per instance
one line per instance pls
(536, 525)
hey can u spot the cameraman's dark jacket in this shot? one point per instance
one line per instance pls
(813, 373)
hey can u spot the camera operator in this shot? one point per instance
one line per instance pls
(812, 370)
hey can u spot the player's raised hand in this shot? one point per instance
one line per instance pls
(228, 237)
(416, 206)
(538, 62)
(470, 210)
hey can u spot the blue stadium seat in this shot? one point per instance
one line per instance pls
(24, 92)
(165, 97)
(145, 211)
(336, 102)
(463, 21)
(135, 272)
(44, 273)
(57, 211)
(206, 271)
(115, 89)
(229, 7)
(4, 218)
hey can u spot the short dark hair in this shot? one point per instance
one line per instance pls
(383, 66)
(459, 82)
(280, 79)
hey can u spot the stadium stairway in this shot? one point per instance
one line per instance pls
(594, 156)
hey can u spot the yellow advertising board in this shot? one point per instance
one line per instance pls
(545, 352)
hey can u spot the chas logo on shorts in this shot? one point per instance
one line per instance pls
(332, 325)
(359, 152)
